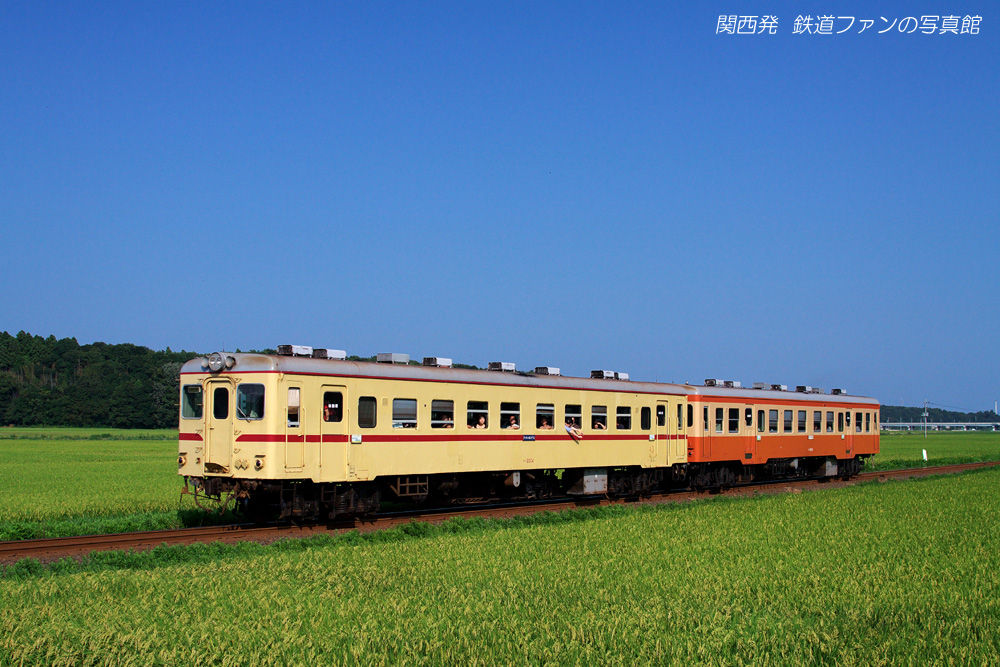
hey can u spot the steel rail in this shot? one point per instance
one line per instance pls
(50, 549)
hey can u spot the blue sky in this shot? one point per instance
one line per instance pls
(583, 185)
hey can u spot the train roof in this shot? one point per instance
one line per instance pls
(266, 363)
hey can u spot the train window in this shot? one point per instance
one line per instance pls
(442, 414)
(250, 401)
(857, 422)
(802, 421)
(623, 418)
(847, 420)
(788, 421)
(574, 415)
(404, 413)
(367, 412)
(829, 422)
(817, 421)
(772, 421)
(748, 417)
(599, 417)
(333, 406)
(220, 403)
(760, 421)
(719, 415)
(661, 415)
(705, 411)
(294, 395)
(545, 416)
(645, 419)
(840, 422)
(478, 414)
(510, 415)
(680, 416)
(191, 401)
(868, 422)
(690, 421)
(734, 420)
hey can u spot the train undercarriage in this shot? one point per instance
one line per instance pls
(282, 499)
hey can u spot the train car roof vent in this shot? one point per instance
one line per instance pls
(547, 370)
(602, 375)
(732, 384)
(621, 376)
(816, 390)
(295, 350)
(761, 385)
(836, 392)
(712, 382)
(779, 387)
(392, 358)
(804, 388)
(440, 362)
(327, 353)
(502, 366)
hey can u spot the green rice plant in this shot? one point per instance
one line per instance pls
(905, 449)
(900, 572)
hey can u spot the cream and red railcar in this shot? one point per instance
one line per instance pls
(291, 435)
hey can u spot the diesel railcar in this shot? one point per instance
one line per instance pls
(310, 433)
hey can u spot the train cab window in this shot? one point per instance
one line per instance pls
(788, 421)
(294, 396)
(442, 414)
(772, 421)
(250, 401)
(802, 422)
(817, 421)
(857, 422)
(748, 417)
(760, 421)
(623, 421)
(690, 421)
(478, 414)
(868, 422)
(574, 415)
(545, 416)
(661, 415)
(367, 412)
(599, 417)
(220, 403)
(333, 406)
(840, 422)
(510, 415)
(719, 412)
(734, 420)
(191, 401)
(829, 422)
(404, 413)
(645, 419)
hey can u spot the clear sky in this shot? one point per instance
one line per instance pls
(583, 185)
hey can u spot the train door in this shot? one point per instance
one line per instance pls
(749, 430)
(218, 425)
(333, 426)
(849, 435)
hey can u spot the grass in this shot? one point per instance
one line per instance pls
(73, 433)
(872, 574)
(904, 449)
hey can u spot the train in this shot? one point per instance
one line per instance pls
(307, 432)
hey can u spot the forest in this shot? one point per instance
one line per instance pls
(58, 382)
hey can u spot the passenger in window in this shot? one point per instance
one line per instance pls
(573, 429)
(480, 423)
(599, 424)
(448, 422)
(512, 422)
(545, 425)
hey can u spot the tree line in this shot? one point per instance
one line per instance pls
(58, 382)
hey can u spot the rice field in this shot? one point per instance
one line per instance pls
(901, 572)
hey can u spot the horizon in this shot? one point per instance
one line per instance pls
(577, 185)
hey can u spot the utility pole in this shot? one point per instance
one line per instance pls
(925, 419)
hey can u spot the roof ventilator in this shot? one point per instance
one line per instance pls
(779, 387)
(327, 353)
(392, 358)
(295, 350)
(761, 385)
(837, 392)
(602, 375)
(502, 366)
(733, 384)
(440, 362)
(712, 382)
(547, 370)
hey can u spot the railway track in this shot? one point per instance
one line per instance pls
(50, 549)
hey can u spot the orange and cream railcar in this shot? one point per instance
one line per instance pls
(300, 435)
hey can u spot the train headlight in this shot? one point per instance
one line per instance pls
(258, 464)
(216, 362)
(181, 461)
